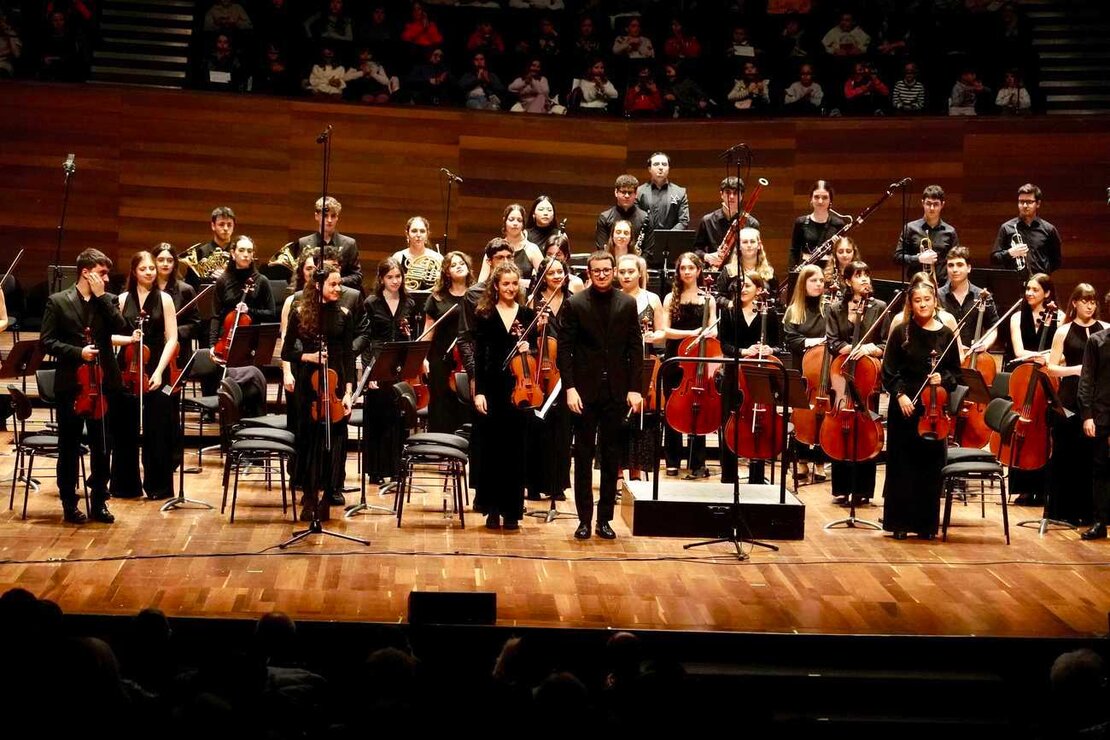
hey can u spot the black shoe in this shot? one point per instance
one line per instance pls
(534, 496)
(102, 515)
(159, 496)
(74, 515)
(1096, 532)
(335, 498)
(1026, 499)
(511, 525)
(124, 494)
(560, 496)
(672, 472)
(493, 521)
(901, 535)
(350, 489)
(583, 531)
(926, 535)
(605, 532)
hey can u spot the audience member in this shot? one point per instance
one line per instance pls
(596, 90)
(681, 46)
(273, 76)
(227, 16)
(909, 93)
(368, 82)
(327, 77)
(804, 97)
(1013, 98)
(421, 33)
(332, 25)
(633, 44)
(968, 95)
(532, 90)
(10, 45)
(431, 83)
(643, 97)
(752, 92)
(487, 40)
(62, 56)
(846, 39)
(682, 96)
(481, 88)
(864, 93)
(222, 69)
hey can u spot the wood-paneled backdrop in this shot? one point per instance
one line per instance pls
(152, 165)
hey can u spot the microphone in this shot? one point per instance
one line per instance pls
(1108, 196)
(901, 183)
(451, 175)
(70, 166)
(319, 275)
(324, 135)
(732, 150)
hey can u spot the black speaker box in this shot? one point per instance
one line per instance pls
(452, 607)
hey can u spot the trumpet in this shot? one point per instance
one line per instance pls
(926, 245)
(1018, 241)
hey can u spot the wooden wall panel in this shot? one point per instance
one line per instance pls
(152, 165)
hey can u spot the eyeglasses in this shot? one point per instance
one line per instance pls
(626, 192)
(601, 270)
(1027, 202)
(1086, 300)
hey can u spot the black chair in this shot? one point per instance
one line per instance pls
(448, 460)
(1001, 418)
(272, 421)
(246, 446)
(27, 447)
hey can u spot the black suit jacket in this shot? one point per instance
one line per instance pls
(63, 335)
(350, 269)
(592, 345)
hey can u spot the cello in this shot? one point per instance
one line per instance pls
(852, 433)
(971, 425)
(764, 424)
(816, 367)
(694, 407)
(234, 319)
(1029, 445)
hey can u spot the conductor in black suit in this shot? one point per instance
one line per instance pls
(68, 313)
(350, 269)
(600, 359)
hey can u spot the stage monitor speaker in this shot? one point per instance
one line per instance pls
(452, 607)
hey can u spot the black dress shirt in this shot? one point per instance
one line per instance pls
(668, 206)
(1094, 380)
(943, 236)
(1043, 241)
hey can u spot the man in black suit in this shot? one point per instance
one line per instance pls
(600, 359)
(68, 314)
(350, 269)
(666, 203)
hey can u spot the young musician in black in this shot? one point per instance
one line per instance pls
(1094, 407)
(188, 323)
(316, 466)
(159, 336)
(600, 359)
(68, 314)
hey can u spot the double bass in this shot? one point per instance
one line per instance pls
(1029, 446)
(763, 424)
(852, 433)
(971, 425)
(694, 407)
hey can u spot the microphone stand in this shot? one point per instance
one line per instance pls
(170, 390)
(70, 168)
(451, 180)
(315, 526)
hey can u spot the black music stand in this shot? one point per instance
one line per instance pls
(170, 390)
(253, 345)
(977, 390)
(769, 385)
(552, 513)
(1054, 404)
(852, 521)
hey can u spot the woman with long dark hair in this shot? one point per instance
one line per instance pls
(317, 315)
(188, 323)
(446, 413)
(144, 299)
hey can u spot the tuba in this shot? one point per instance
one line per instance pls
(422, 271)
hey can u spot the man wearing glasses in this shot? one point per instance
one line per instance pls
(624, 191)
(600, 359)
(1028, 238)
(914, 255)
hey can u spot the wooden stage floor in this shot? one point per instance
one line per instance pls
(844, 581)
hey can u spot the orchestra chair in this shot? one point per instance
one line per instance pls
(271, 421)
(445, 456)
(44, 381)
(248, 446)
(27, 447)
(1001, 418)
(456, 440)
(462, 385)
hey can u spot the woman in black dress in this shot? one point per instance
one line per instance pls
(813, 230)
(1026, 334)
(498, 332)
(803, 328)
(542, 222)
(446, 412)
(549, 438)
(632, 276)
(188, 322)
(741, 329)
(317, 466)
(685, 310)
(911, 494)
(390, 314)
(160, 337)
(840, 324)
(1072, 451)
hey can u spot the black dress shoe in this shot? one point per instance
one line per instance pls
(560, 496)
(605, 532)
(900, 535)
(102, 515)
(583, 531)
(1096, 532)
(1026, 499)
(74, 515)
(534, 496)
(493, 521)
(511, 525)
(672, 472)
(335, 498)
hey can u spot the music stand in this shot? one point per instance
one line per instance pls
(977, 390)
(395, 360)
(852, 521)
(552, 513)
(171, 390)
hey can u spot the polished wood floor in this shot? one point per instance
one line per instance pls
(846, 581)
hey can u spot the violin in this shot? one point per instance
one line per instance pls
(547, 373)
(971, 424)
(764, 424)
(527, 393)
(454, 362)
(935, 423)
(1030, 444)
(853, 433)
(327, 405)
(694, 407)
(651, 364)
(90, 401)
(135, 359)
(419, 382)
(234, 319)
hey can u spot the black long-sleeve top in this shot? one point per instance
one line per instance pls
(809, 234)
(943, 237)
(839, 329)
(734, 334)
(339, 326)
(1094, 380)
(229, 292)
(382, 325)
(812, 325)
(63, 334)
(492, 344)
(906, 362)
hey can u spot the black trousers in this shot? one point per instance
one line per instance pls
(161, 427)
(1100, 478)
(71, 427)
(598, 426)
